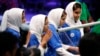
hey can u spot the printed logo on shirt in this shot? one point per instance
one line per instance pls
(72, 35)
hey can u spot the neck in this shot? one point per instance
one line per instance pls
(75, 21)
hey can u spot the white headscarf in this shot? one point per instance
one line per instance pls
(54, 16)
(70, 18)
(12, 18)
(36, 25)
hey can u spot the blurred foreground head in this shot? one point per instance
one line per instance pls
(8, 44)
(90, 45)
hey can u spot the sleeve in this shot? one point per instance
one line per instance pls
(62, 52)
(65, 46)
(15, 33)
(54, 42)
(33, 41)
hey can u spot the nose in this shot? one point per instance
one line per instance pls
(78, 15)
(24, 20)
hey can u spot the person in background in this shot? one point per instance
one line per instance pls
(72, 37)
(13, 19)
(39, 34)
(56, 19)
(85, 16)
(8, 43)
(96, 28)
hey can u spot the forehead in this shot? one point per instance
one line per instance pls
(63, 14)
(78, 9)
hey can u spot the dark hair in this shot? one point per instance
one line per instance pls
(63, 13)
(89, 45)
(46, 19)
(76, 5)
(36, 52)
(27, 51)
(23, 52)
(7, 42)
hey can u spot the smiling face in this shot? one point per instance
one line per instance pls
(76, 14)
(76, 11)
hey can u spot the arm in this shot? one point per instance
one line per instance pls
(45, 38)
(59, 47)
(70, 48)
(27, 39)
(62, 52)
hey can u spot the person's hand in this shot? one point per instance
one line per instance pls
(72, 48)
(48, 34)
(46, 37)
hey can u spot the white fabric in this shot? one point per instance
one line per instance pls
(12, 18)
(70, 18)
(36, 25)
(25, 46)
(42, 50)
(62, 52)
(54, 16)
(65, 46)
(4, 21)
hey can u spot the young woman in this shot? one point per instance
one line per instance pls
(13, 20)
(72, 37)
(39, 33)
(56, 19)
(85, 16)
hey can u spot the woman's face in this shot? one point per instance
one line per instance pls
(63, 17)
(23, 17)
(45, 25)
(76, 13)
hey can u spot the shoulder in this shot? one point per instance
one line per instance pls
(65, 25)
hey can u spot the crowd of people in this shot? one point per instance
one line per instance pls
(41, 38)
